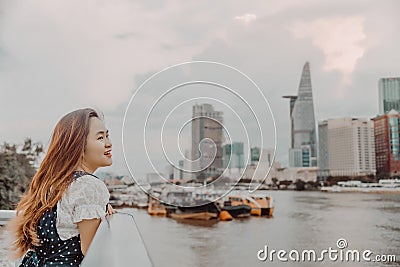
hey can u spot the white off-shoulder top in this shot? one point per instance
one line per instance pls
(85, 198)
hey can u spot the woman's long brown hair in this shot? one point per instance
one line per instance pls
(53, 177)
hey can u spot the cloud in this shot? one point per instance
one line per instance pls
(341, 39)
(246, 18)
(92, 53)
(58, 56)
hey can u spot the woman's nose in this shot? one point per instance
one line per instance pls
(108, 143)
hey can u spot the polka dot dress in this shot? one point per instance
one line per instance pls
(52, 250)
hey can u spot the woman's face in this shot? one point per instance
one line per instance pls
(98, 146)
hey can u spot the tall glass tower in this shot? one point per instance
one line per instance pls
(303, 130)
(389, 94)
(387, 145)
(233, 155)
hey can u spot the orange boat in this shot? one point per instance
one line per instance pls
(266, 203)
(260, 205)
(205, 215)
(201, 210)
(155, 208)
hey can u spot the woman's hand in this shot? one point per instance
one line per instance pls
(110, 210)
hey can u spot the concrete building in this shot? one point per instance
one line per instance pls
(346, 147)
(387, 142)
(178, 172)
(389, 94)
(303, 129)
(305, 174)
(207, 139)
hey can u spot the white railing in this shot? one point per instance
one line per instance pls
(6, 215)
(117, 242)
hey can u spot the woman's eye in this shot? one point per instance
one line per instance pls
(100, 138)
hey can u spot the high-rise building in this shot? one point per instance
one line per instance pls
(389, 94)
(254, 154)
(207, 138)
(346, 147)
(295, 157)
(264, 155)
(387, 142)
(303, 129)
(233, 156)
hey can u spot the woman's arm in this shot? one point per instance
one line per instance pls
(87, 230)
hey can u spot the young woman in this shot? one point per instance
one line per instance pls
(59, 215)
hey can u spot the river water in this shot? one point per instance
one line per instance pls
(302, 221)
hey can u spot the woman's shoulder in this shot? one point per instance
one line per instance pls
(88, 179)
(87, 183)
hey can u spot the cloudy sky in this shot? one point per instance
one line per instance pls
(56, 56)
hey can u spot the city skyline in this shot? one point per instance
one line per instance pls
(50, 66)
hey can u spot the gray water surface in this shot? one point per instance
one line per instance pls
(302, 220)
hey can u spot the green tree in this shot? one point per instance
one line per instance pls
(16, 171)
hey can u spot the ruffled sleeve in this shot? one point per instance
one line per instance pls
(88, 197)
